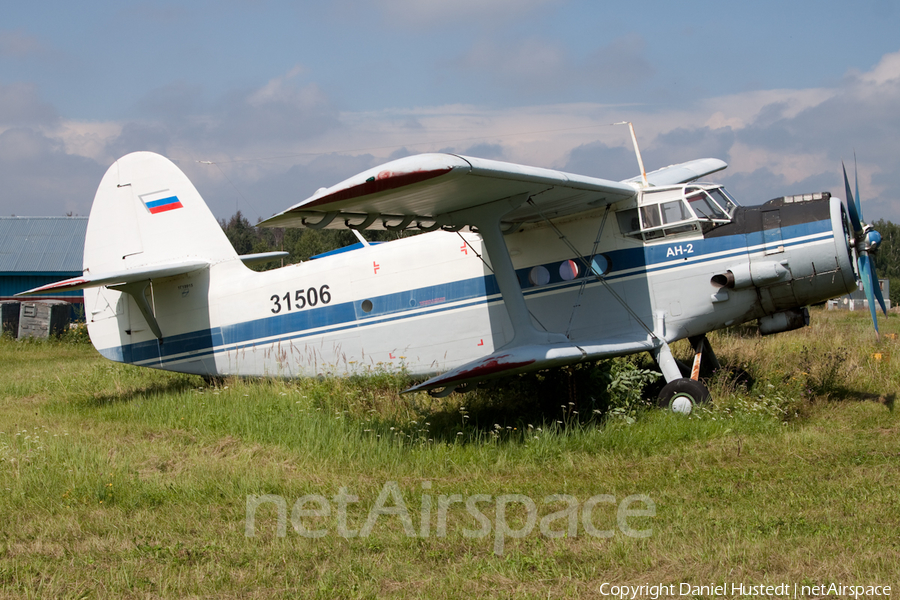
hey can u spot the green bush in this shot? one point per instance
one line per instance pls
(77, 333)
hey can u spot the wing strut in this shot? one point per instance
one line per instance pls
(584, 281)
(486, 218)
(593, 269)
(138, 291)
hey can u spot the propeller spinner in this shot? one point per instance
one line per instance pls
(866, 242)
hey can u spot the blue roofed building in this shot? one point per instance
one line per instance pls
(35, 251)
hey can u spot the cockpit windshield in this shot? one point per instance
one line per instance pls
(677, 211)
(703, 206)
(724, 199)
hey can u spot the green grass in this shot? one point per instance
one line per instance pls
(125, 482)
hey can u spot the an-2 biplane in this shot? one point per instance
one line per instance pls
(522, 268)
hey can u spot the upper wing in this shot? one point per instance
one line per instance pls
(427, 189)
(431, 187)
(684, 172)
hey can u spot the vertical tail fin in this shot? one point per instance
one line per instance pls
(151, 244)
(147, 212)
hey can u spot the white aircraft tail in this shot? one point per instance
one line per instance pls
(149, 233)
(147, 212)
(147, 222)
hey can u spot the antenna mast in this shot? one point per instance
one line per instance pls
(637, 152)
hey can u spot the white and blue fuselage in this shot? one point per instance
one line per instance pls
(589, 268)
(430, 303)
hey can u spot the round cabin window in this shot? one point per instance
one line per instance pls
(539, 276)
(568, 270)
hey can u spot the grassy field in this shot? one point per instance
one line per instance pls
(124, 482)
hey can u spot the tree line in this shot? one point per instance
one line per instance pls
(302, 243)
(887, 259)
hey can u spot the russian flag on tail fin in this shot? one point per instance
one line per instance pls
(162, 205)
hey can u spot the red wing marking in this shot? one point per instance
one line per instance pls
(384, 181)
(486, 369)
(65, 283)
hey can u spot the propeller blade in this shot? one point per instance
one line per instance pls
(867, 274)
(851, 204)
(856, 182)
(877, 288)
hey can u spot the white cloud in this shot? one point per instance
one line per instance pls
(887, 70)
(278, 89)
(279, 142)
(39, 178)
(87, 139)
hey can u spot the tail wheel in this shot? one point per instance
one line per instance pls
(682, 395)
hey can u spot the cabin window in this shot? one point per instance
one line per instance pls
(629, 221)
(600, 265)
(568, 270)
(675, 211)
(650, 216)
(539, 276)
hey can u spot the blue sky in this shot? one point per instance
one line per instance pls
(287, 97)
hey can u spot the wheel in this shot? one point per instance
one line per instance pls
(682, 394)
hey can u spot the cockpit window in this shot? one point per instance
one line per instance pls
(724, 200)
(704, 207)
(628, 221)
(676, 211)
(650, 216)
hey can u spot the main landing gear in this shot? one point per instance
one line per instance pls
(681, 393)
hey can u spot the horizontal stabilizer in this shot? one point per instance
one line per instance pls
(120, 277)
(262, 257)
(534, 357)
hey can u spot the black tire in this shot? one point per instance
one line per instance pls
(683, 394)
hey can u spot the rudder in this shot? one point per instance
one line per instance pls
(147, 212)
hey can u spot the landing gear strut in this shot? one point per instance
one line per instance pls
(681, 394)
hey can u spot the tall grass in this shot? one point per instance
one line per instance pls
(123, 481)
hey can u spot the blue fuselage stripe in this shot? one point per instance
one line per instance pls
(457, 295)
